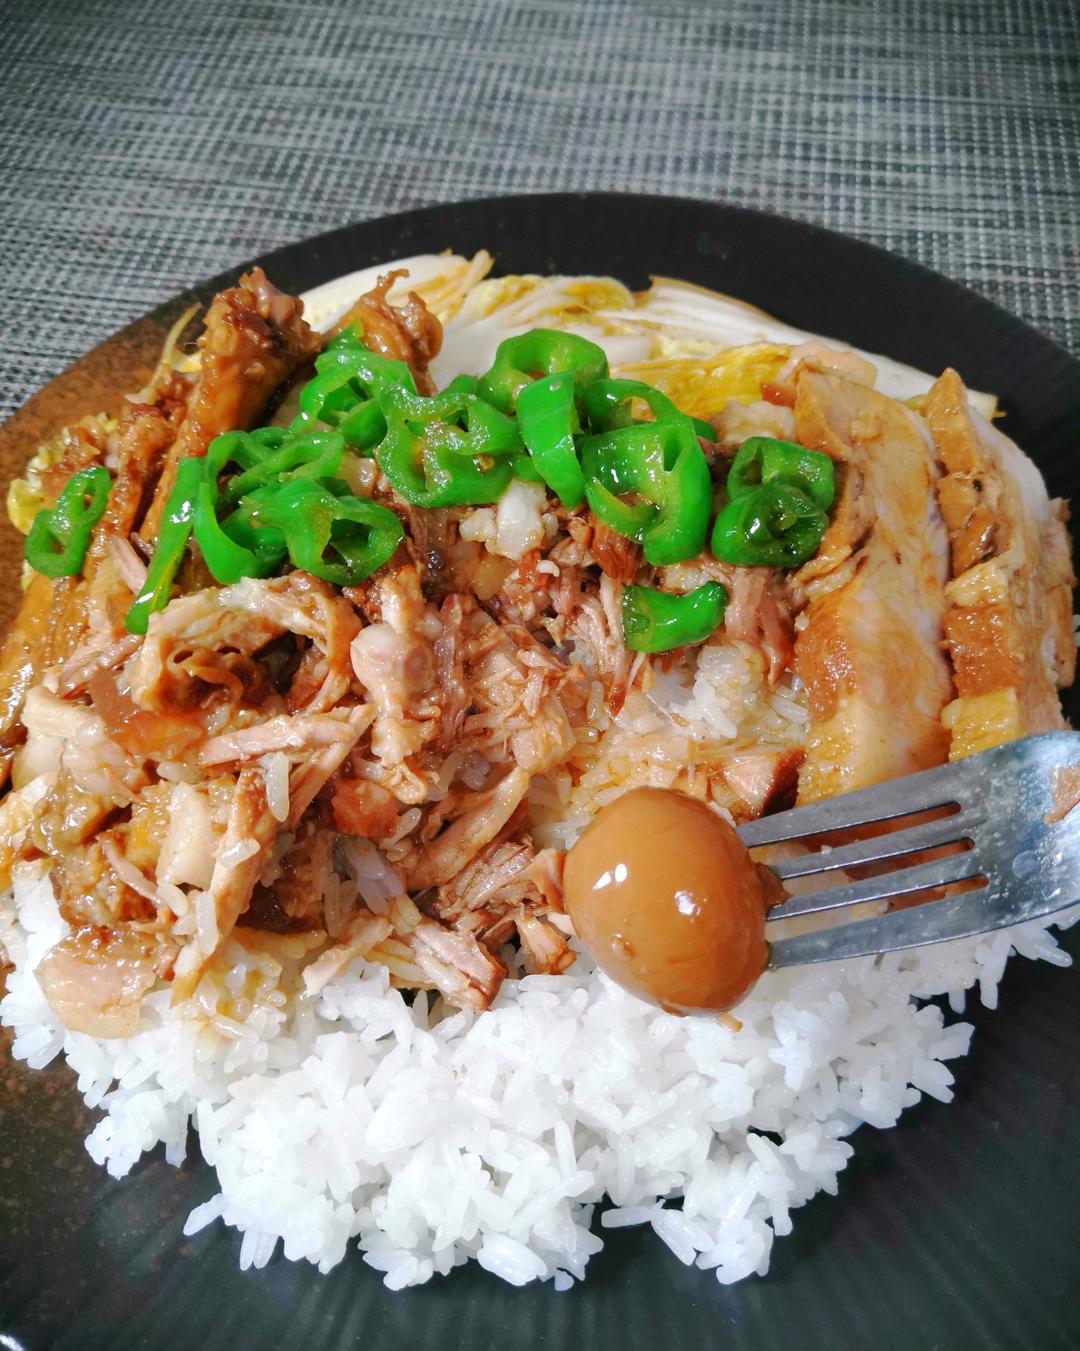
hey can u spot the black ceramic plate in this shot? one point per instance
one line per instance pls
(958, 1229)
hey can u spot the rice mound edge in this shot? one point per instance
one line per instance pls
(494, 1136)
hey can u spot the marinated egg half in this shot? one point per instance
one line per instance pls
(664, 895)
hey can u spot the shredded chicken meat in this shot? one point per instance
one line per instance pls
(368, 769)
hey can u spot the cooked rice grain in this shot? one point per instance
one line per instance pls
(432, 1139)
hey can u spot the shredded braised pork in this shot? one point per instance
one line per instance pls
(214, 773)
(357, 765)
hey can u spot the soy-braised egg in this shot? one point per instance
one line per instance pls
(664, 895)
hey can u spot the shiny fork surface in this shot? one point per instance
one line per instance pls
(999, 798)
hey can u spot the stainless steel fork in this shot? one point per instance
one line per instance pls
(999, 799)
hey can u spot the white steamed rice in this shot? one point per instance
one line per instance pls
(431, 1139)
(494, 1136)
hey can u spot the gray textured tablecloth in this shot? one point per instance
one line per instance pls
(146, 145)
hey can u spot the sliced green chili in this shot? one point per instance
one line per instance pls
(315, 454)
(346, 393)
(763, 461)
(327, 531)
(651, 482)
(266, 545)
(657, 621)
(705, 430)
(540, 352)
(232, 548)
(771, 526)
(609, 403)
(175, 530)
(548, 421)
(452, 450)
(59, 537)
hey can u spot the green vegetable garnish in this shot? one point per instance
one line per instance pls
(763, 461)
(772, 526)
(327, 531)
(656, 621)
(540, 352)
(452, 450)
(175, 531)
(650, 482)
(548, 421)
(59, 537)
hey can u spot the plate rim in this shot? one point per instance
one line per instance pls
(289, 256)
(340, 234)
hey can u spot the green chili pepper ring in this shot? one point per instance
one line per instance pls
(540, 352)
(608, 403)
(773, 526)
(58, 539)
(321, 520)
(778, 497)
(762, 461)
(656, 621)
(447, 451)
(548, 421)
(176, 526)
(660, 468)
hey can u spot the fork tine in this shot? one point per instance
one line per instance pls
(877, 848)
(938, 787)
(955, 917)
(935, 873)
(1022, 864)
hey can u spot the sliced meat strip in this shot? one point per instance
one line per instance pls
(249, 833)
(616, 556)
(485, 816)
(308, 777)
(297, 735)
(394, 659)
(454, 963)
(213, 623)
(870, 651)
(545, 948)
(497, 879)
(18, 810)
(364, 932)
(255, 338)
(757, 615)
(1008, 622)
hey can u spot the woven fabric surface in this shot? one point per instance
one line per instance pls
(146, 146)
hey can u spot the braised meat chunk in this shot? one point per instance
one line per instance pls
(1008, 622)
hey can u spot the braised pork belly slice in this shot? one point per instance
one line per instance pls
(1008, 617)
(869, 646)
